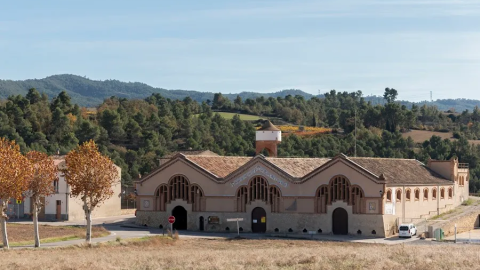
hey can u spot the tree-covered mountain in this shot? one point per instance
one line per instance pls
(90, 93)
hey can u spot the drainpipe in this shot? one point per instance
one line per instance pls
(403, 204)
(438, 200)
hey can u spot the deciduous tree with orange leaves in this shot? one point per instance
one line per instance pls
(40, 185)
(15, 171)
(91, 177)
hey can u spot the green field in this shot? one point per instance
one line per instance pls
(246, 117)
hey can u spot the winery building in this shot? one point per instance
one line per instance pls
(339, 195)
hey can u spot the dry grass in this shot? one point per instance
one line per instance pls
(22, 234)
(163, 253)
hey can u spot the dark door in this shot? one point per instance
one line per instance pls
(202, 221)
(59, 210)
(259, 220)
(340, 221)
(180, 215)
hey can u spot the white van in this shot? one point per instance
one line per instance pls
(407, 230)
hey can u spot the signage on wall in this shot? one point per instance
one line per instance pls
(263, 219)
(372, 206)
(262, 171)
(146, 204)
(213, 220)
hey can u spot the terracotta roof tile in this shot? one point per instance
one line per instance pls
(192, 153)
(401, 171)
(219, 165)
(298, 167)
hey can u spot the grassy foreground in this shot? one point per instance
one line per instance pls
(164, 253)
(22, 234)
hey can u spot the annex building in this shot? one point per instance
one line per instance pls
(339, 195)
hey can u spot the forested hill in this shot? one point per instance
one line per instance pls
(90, 93)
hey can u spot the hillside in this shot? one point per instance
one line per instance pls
(87, 92)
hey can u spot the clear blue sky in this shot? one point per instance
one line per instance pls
(415, 46)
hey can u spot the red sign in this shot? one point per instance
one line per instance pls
(171, 219)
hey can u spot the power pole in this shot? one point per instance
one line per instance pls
(431, 96)
(355, 134)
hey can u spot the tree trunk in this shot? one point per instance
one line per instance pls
(88, 216)
(35, 221)
(3, 223)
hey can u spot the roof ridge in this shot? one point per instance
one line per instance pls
(383, 158)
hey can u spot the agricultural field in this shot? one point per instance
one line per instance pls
(246, 117)
(164, 253)
(420, 136)
(307, 131)
(22, 234)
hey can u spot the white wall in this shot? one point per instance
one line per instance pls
(268, 135)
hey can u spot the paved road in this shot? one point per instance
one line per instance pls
(124, 227)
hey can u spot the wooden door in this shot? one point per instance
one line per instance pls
(340, 221)
(59, 210)
(259, 220)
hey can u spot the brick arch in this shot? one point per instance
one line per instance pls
(258, 188)
(178, 188)
(398, 194)
(339, 188)
(389, 195)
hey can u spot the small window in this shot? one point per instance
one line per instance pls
(407, 195)
(417, 194)
(399, 195)
(404, 228)
(425, 194)
(450, 193)
(442, 193)
(434, 194)
(55, 186)
(389, 195)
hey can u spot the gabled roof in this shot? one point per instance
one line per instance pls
(191, 153)
(220, 166)
(401, 171)
(381, 170)
(298, 167)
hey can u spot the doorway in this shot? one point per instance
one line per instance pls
(58, 215)
(202, 221)
(180, 215)
(340, 221)
(259, 220)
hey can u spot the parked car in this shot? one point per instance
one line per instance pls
(407, 230)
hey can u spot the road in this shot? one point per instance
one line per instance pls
(124, 228)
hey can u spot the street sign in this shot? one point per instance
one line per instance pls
(235, 220)
(19, 201)
(171, 219)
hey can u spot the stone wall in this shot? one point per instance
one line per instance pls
(465, 222)
(364, 224)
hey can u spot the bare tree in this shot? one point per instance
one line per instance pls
(91, 177)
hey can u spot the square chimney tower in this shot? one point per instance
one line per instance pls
(268, 137)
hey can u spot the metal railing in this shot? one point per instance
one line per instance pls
(463, 165)
(473, 235)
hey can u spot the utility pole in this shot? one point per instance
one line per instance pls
(355, 133)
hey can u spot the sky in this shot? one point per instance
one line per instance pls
(414, 46)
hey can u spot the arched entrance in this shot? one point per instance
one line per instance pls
(340, 221)
(259, 220)
(202, 221)
(180, 215)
